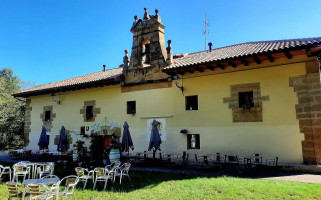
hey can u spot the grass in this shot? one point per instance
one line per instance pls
(151, 185)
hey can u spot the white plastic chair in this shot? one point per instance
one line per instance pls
(5, 171)
(38, 191)
(122, 171)
(20, 170)
(70, 183)
(84, 175)
(15, 190)
(52, 188)
(46, 169)
(103, 175)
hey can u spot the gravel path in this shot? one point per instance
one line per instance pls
(304, 178)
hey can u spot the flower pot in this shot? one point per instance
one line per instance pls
(114, 155)
(75, 155)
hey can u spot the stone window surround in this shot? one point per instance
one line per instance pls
(47, 124)
(243, 115)
(96, 110)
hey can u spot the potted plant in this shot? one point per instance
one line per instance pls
(111, 153)
(81, 150)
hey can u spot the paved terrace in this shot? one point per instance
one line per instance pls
(286, 172)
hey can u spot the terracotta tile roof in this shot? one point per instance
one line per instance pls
(242, 50)
(107, 75)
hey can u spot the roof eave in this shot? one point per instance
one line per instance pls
(99, 83)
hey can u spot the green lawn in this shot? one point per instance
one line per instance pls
(148, 185)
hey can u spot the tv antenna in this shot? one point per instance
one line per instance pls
(205, 30)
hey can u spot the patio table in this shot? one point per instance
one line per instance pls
(249, 159)
(34, 166)
(44, 181)
(175, 156)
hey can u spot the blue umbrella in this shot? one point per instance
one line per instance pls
(127, 141)
(155, 139)
(63, 143)
(43, 141)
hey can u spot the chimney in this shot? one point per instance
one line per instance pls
(104, 66)
(210, 46)
(169, 50)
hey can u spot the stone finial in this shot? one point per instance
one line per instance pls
(157, 16)
(146, 15)
(169, 50)
(126, 60)
(136, 18)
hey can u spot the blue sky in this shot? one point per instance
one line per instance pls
(50, 40)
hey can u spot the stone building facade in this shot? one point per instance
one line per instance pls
(255, 97)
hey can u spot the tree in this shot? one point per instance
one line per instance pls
(11, 110)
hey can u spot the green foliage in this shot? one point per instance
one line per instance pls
(11, 110)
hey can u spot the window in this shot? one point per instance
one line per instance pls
(82, 130)
(47, 115)
(131, 107)
(246, 100)
(89, 112)
(146, 51)
(191, 102)
(193, 141)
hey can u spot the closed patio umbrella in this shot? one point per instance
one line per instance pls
(43, 141)
(127, 141)
(63, 143)
(155, 139)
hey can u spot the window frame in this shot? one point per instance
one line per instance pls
(198, 141)
(188, 100)
(131, 107)
(90, 115)
(246, 104)
(47, 116)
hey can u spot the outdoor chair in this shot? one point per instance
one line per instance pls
(5, 171)
(231, 159)
(84, 175)
(103, 175)
(272, 162)
(43, 170)
(38, 191)
(217, 159)
(15, 190)
(257, 160)
(115, 164)
(185, 158)
(199, 159)
(122, 171)
(70, 183)
(20, 170)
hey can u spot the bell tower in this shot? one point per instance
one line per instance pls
(148, 54)
(148, 48)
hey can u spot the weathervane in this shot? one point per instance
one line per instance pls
(205, 30)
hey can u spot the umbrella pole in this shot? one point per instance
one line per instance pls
(154, 152)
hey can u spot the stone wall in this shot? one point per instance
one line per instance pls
(243, 115)
(308, 112)
(96, 110)
(47, 124)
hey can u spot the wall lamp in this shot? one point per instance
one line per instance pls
(52, 97)
(181, 88)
